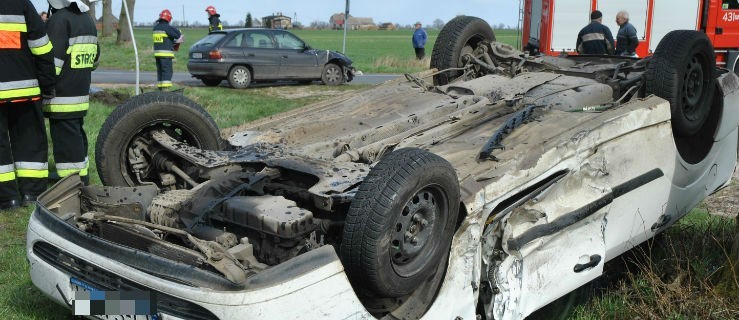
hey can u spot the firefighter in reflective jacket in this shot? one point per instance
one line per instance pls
(27, 76)
(166, 42)
(214, 19)
(74, 36)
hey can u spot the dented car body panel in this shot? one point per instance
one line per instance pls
(556, 176)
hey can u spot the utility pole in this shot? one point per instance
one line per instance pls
(346, 22)
(184, 21)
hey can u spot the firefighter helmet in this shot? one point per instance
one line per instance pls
(211, 10)
(166, 15)
(61, 4)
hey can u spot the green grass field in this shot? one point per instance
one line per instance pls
(372, 51)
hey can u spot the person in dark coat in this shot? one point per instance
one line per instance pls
(595, 38)
(214, 19)
(166, 41)
(76, 53)
(626, 39)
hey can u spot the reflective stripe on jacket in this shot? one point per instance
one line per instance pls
(214, 23)
(164, 37)
(26, 58)
(76, 53)
(595, 38)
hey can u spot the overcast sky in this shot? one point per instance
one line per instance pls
(396, 11)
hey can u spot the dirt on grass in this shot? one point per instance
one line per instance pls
(725, 202)
(109, 97)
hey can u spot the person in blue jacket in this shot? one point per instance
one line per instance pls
(419, 41)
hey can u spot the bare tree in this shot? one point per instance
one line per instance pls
(108, 18)
(124, 34)
(438, 24)
(92, 9)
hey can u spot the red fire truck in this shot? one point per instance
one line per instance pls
(552, 26)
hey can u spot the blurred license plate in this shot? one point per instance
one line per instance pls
(197, 55)
(79, 285)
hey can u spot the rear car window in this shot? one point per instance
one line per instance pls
(210, 40)
(237, 41)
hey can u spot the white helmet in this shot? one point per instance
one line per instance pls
(60, 4)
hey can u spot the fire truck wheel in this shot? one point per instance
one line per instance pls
(459, 36)
(682, 71)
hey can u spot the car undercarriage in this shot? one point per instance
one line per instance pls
(465, 191)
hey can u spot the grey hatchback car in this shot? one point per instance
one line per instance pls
(243, 56)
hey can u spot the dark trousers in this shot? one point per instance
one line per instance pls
(420, 53)
(164, 72)
(69, 145)
(23, 141)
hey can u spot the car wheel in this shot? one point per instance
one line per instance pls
(129, 126)
(399, 226)
(211, 82)
(239, 77)
(682, 72)
(332, 75)
(459, 36)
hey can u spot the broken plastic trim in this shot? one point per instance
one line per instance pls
(513, 122)
(583, 212)
(140, 260)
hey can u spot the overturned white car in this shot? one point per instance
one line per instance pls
(494, 189)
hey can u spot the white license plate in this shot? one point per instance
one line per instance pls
(197, 55)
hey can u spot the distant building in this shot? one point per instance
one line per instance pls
(354, 23)
(387, 26)
(277, 21)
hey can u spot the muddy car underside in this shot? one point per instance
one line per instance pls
(516, 159)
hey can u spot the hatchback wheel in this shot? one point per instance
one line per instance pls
(239, 77)
(332, 75)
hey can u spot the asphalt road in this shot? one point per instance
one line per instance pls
(184, 78)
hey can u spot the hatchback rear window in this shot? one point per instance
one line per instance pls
(209, 40)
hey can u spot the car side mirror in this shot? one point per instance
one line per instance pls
(306, 47)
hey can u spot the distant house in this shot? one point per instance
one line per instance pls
(387, 26)
(277, 21)
(354, 23)
(99, 23)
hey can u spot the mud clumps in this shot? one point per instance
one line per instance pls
(107, 97)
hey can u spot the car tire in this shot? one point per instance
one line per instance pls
(182, 118)
(400, 224)
(210, 82)
(459, 36)
(682, 71)
(332, 75)
(239, 77)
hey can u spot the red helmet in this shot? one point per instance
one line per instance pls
(166, 15)
(211, 10)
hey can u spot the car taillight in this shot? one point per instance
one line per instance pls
(215, 54)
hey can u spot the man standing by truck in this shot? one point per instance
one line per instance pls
(28, 75)
(74, 36)
(595, 38)
(626, 39)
